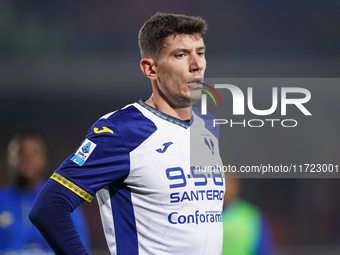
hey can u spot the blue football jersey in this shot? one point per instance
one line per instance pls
(149, 173)
(17, 234)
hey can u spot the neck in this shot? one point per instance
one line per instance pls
(183, 113)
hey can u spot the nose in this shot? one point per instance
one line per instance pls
(196, 63)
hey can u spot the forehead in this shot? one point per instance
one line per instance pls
(28, 143)
(186, 41)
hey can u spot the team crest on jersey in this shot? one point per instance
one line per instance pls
(84, 152)
(210, 146)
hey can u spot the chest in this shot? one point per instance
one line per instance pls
(176, 160)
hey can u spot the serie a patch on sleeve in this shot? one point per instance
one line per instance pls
(84, 152)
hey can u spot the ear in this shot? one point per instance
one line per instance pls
(148, 66)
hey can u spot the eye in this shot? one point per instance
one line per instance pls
(200, 53)
(181, 54)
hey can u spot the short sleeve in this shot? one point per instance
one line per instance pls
(101, 159)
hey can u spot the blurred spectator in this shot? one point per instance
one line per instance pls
(26, 161)
(245, 229)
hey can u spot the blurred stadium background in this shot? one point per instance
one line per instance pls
(63, 64)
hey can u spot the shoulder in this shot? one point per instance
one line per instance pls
(127, 116)
(207, 116)
(7, 196)
(208, 120)
(128, 123)
(5, 191)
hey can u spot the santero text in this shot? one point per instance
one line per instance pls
(177, 197)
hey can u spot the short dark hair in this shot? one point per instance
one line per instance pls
(161, 25)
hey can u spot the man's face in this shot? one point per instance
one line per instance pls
(181, 62)
(26, 158)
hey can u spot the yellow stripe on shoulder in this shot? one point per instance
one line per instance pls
(66, 183)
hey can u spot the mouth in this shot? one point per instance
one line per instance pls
(195, 83)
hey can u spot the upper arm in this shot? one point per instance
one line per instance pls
(101, 159)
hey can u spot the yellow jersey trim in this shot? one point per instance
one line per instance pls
(66, 183)
(182, 123)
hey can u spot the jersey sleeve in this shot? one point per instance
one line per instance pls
(101, 159)
(51, 214)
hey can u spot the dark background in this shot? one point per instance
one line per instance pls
(63, 64)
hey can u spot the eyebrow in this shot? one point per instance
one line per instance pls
(186, 50)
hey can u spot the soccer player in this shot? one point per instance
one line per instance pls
(140, 163)
(26, 160)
